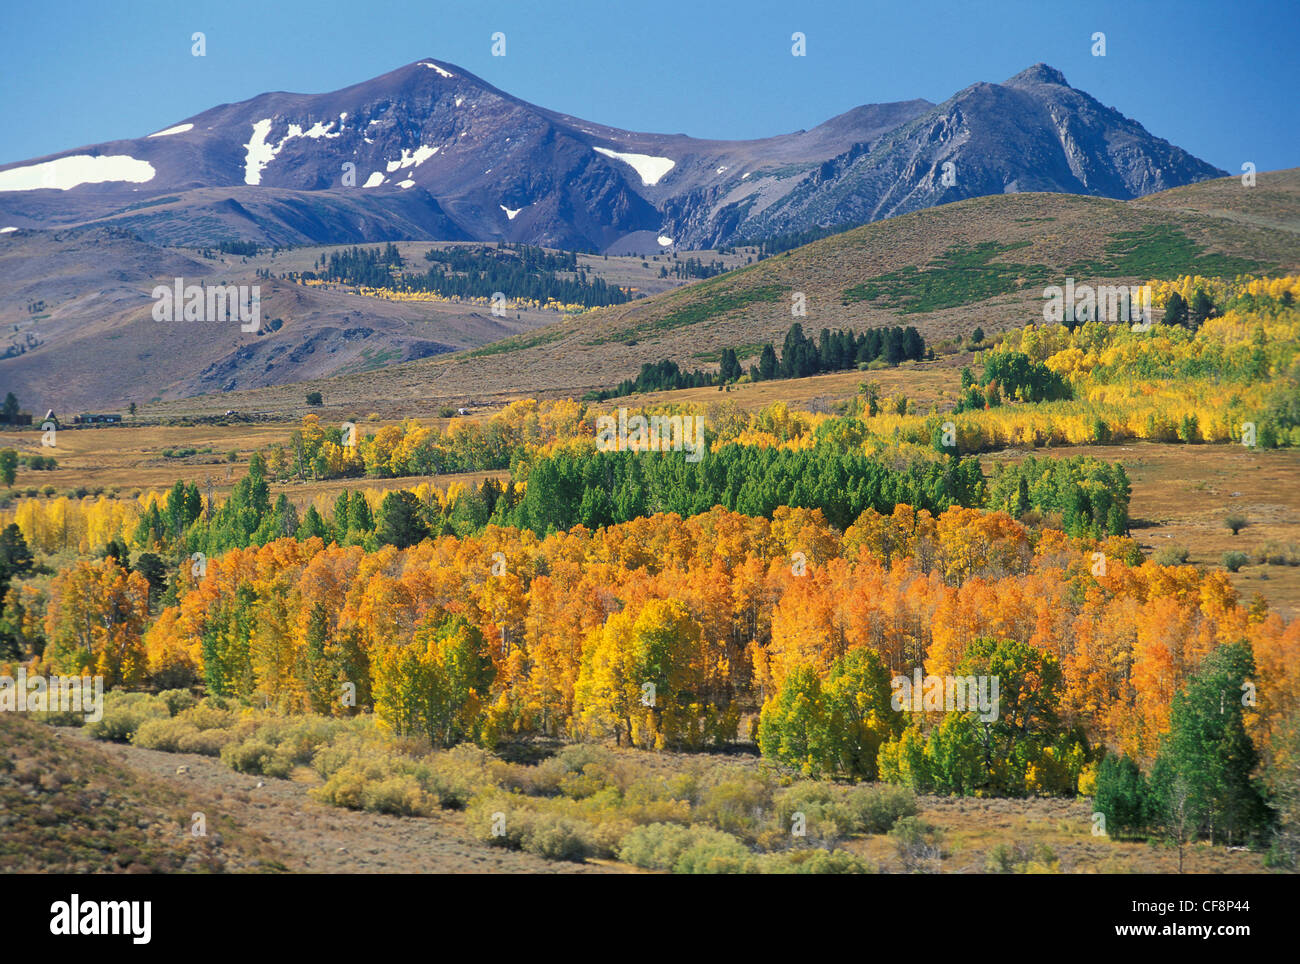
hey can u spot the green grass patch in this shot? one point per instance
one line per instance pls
(967, 274)
(1161, 251)
(516, 343)
(742, 351)
(960, 276)
(700, 311)
(371, 359)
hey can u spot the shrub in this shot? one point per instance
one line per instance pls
(919, 845)
(658, 846)
(558, 838)
(296, 741)
(1235, 521)
(381, 784)
(163, 734)
(123, 714)
(1234, 560)
(178, 700)
(256, 755)
(735, 803)
(180, 735)
(578, 771)
(400, 794)
(821, 804)
(1277, 554)
(314, 398)
(455, 776)
(333, 757)
(1171, 556)
(208, 715)
(876, 809)
(206, 742)
(508, 820)
(720, 854)
(1022, 858)
(814, 860)
(345, 786)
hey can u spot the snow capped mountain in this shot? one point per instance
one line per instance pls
(430, 151)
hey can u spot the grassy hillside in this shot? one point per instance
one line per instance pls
(75, 307)
(70, 807)
(946, 270)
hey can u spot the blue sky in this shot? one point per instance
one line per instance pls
(1216, 78)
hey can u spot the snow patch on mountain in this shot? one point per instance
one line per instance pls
(446, 73)
(178, 129)
(650, 168)
(511, 214)
(665, 241)
(374, 180)
(315, 132)
(259, 153)
(412, 158)
(65, 173)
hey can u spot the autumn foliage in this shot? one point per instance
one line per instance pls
(670, 632)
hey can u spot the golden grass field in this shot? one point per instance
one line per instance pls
(129, 459)
(1181, 494)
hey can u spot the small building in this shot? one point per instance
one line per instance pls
(92, 418)
(462, 411)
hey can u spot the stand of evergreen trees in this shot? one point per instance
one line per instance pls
(836, 351)
(692, 268)
(1088, 495)
(1011, 375)
(604, 488)
(244, 249)
(520, 271)
(800, 357)
(1202, 783)
(779, 243)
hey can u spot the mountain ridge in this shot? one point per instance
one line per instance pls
(439, 151)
